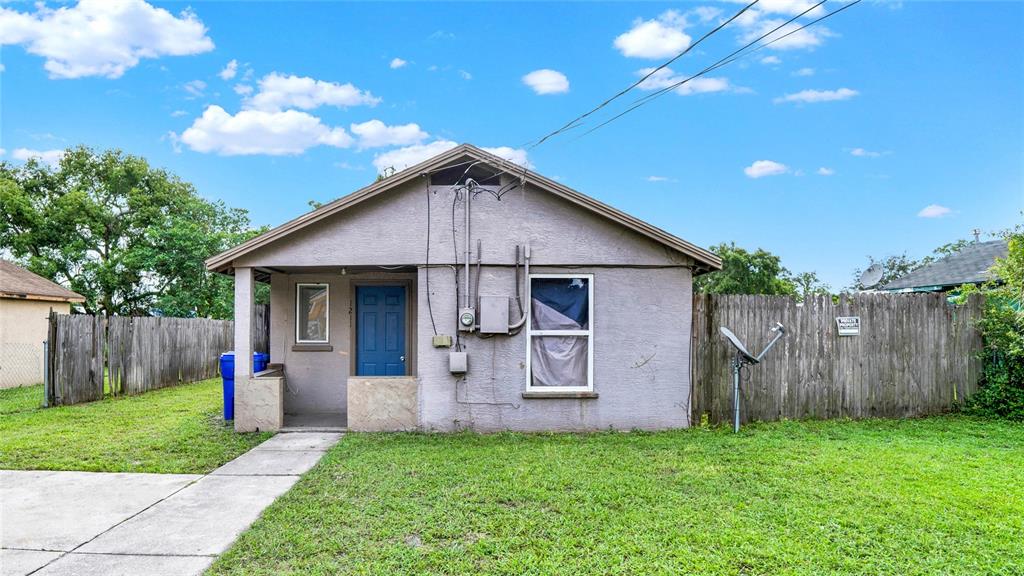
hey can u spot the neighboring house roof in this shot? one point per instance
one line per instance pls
(706, 261)
(968, 266)
(16, 282)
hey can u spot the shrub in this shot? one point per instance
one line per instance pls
(1002, 386)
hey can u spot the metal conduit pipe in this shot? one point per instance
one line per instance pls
(469, 251)
(476, 288)
(526, 279)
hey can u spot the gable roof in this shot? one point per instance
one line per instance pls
(705, 260)
(16, 282)
(968, 266)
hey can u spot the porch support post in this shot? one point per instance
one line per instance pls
(244, 289)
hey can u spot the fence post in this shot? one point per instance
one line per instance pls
(46, 373)
(49, 388)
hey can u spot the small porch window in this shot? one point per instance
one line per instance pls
(560, 333)
(311, 313)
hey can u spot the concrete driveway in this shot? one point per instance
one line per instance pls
(86, 523)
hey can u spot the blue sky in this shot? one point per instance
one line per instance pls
(891, 127)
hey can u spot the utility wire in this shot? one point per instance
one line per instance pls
(739, 53)
(725, 61)
(573, 124)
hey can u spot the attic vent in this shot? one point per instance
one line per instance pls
(481, 173)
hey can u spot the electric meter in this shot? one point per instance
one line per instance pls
(467, 319)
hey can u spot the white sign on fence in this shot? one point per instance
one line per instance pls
(848, 325)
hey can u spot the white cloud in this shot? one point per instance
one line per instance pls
(277, 92)
(465, 75)
(261, 132)
(3, 151)
(762, 168)
(934, 211)
(771, 60)
(759, 21)
(547, 81)
(229, 71)
(804, 72)
(706, 13)
(195, 88)
(823, 171)
(397, 63)
(101, 37)
(658, 38)
(178, 114)
(401, 158)
(51, 157)
(660, 179)
(242, 89)
(375, 134)
(814, 96)
(514, 155)
(666, 77)
(862, 153)
(3, 68)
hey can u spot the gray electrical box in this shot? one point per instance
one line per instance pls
(458, 362)
(494, 314)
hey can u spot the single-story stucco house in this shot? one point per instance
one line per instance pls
(467, 292)
(25, 303)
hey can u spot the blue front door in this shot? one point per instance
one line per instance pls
(380, 330)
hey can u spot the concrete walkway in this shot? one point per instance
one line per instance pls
(99, 523)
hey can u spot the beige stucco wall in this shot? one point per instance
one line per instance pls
(23, 327)
(383, 403)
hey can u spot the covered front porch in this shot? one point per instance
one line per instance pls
(342, 349)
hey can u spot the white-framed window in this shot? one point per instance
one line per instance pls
(312, 307)
(560, 333)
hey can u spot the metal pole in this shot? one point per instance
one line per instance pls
(736, 393)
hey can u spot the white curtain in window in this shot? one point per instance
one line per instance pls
(559, 361)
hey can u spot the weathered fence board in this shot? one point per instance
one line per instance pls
(916, 355)
(137, 353)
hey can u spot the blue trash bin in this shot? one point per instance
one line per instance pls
(260, 361)
(227, 374)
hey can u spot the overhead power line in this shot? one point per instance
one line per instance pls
(736, 55)
(572, 124)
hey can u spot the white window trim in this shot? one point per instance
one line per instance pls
(327, 312)
(589, 333)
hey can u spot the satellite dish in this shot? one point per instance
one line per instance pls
(747, 356)
(871, 276)
(742, 358)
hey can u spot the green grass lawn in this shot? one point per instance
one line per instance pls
(173, 430)
(933, 496)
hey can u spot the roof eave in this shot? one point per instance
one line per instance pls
(703, 258)
(42, 297)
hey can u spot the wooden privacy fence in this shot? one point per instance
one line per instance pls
(90, 356)
(916, 354)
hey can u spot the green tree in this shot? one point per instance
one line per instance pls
(895, 267)
(1002, 327)
(743, 272)
(129, 237)
(808, 284)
